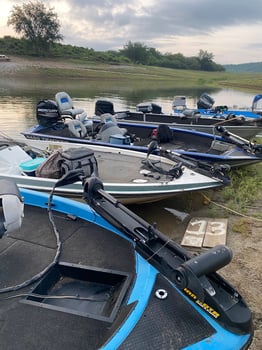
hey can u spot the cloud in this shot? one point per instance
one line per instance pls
(229, 29)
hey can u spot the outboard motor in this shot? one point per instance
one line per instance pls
(11, 207)
(104, 106)
(205, 101)
(47, 113)
(149, 107)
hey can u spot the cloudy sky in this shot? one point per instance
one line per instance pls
(229, 29)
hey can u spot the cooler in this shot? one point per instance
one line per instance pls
(29, 167)
(119, 139)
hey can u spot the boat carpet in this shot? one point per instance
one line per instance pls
(176, 326)
(28, 327)
(26, 252)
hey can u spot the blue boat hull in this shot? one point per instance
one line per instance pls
(151, 323)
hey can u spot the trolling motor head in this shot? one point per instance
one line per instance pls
(11, 207)
(222, 130)
(191, 273)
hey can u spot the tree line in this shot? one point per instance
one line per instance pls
(39, 29)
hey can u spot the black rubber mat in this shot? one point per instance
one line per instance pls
(167, 324)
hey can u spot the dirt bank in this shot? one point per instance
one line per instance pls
(19, 65)
(245, 271)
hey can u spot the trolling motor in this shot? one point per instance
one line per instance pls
(186, 271)
(175, 171)
(11, 207)
(219, 171)
(195, 276)
(239, 141)
(214, 259)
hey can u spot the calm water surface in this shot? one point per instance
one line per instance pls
(17, 112)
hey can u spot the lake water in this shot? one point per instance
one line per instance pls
(17, 112)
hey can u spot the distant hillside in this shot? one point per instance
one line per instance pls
(244, 67)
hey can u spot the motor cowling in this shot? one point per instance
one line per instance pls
(47, 113)
(205, 101)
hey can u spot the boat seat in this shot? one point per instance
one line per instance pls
(77, 128)
(66, 106)
(108, 130)
(179, 103)
(109, 119)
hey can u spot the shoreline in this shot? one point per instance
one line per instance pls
(21, 66)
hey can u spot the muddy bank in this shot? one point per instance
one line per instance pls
(245, 271)
(244, 237)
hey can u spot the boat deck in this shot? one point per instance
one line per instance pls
(28, 325)
(30, 250)
(114, 168)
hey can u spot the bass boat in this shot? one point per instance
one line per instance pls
(96, 276)
(132, 177)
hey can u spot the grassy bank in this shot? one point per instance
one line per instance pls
(140, 75)
(244, 190)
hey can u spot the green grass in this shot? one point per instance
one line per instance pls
(149, 76)
(245, 187)
(241, 196)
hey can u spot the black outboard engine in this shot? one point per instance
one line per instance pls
(11, 207)
(149, 107)
(47, 113)
(104, 106)
(205, 101)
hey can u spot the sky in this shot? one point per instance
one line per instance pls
(229, 29)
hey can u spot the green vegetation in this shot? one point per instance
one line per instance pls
(138, 76)
(132, 53)
(243, 226)
(245, 189)
(38, 25)
(141, 54)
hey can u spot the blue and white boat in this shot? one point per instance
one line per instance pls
(78, 276)
(131, 177)
(225, 148)
(148, 113)
(206, 108)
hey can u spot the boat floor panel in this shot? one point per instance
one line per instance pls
(111, 169)
(177, 325)
(27, 253)
(25, 326)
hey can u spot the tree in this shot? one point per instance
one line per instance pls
(206, 60)
(137, 52)
(37, 24)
